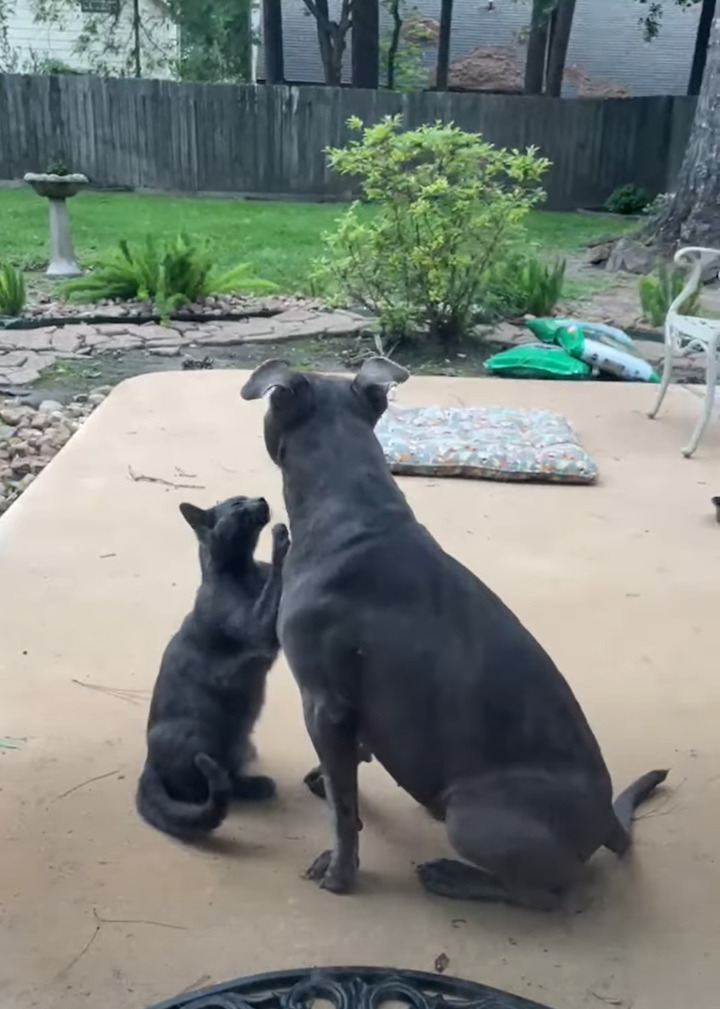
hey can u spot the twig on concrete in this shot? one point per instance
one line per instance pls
(144, 478)
(81, 954)
(98, 777)
(122, 693)
(194, 985)
(136, 921)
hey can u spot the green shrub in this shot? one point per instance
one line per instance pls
(169, 273)
(658, 292)
(12, 291)
(446, 207)
(629, 199)
(522, 284)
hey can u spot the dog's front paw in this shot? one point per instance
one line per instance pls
(281, 543)
(330, 875)
(316, 782)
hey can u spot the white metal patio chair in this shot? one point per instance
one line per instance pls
(685, 334)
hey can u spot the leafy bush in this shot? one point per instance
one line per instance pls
(629, 199)
(170, 272)
(657, 293)
(53, 66)
(522, 284)
(12, 291)
(446, 207)
(658, 205)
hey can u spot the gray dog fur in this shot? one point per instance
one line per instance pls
(396, 644)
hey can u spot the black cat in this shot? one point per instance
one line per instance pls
(211, 685)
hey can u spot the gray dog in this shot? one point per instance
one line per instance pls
(398, 647)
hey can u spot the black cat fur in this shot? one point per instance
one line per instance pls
(211, 685)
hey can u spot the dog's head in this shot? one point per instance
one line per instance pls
(228, 532)
(296, 398)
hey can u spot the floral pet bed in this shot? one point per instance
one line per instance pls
(490, 443)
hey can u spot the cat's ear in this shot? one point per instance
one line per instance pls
(197, 518)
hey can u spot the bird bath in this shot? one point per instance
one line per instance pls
(57, 189)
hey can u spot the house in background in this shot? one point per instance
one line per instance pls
(29, 44)
(607, 54)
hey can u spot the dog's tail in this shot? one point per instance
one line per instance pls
(625, 805)
(187, 821)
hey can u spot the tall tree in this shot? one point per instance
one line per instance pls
(443, 50)
(395, 11)
(332, 37)
(693, 214)
(273, 41)
(707, 14)
(651, 20)
(537, 46)
(365, 43)
(562, 20)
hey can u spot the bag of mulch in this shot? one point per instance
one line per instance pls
(605, 348)
(537, 360)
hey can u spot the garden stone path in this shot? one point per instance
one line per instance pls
(25, 353)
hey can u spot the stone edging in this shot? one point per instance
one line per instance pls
(24, 353)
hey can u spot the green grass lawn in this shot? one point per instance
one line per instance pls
(279, 239)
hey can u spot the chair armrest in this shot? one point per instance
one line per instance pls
(693, 253)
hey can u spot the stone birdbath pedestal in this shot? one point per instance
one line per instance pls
(57, 189)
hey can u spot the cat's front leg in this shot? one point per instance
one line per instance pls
(265, 611)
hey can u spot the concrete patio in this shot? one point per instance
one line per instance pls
(620, 582)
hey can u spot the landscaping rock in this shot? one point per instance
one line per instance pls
(632, 257)
(34, 339)
(598, 255)
(165, 351)
(30, 438)
(66, 340)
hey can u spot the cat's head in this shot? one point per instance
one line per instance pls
(228, 532)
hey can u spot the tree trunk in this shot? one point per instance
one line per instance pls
(537, 49)
(136, 43)
(394, 42)
(443, 50)
(331, 37)
(701, 45)
(693, 215)
(273, 41)
(365, 44)
(557, 50)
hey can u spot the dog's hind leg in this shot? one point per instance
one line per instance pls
(334, 736)
(516, 855)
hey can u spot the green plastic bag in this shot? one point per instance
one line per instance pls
(546, 330)
(537, 360)
(560, 332)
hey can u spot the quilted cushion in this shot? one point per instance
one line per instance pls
(490, 442)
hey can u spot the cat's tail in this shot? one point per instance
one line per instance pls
(625, 805)
(187, 821)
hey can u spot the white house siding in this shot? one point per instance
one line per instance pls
(30, 43)
(606, 42)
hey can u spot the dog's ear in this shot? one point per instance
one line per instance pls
(382, 372)
(196, 518)
(271, 375)
(374, 381)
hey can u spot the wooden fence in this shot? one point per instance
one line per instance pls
(269, 141)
